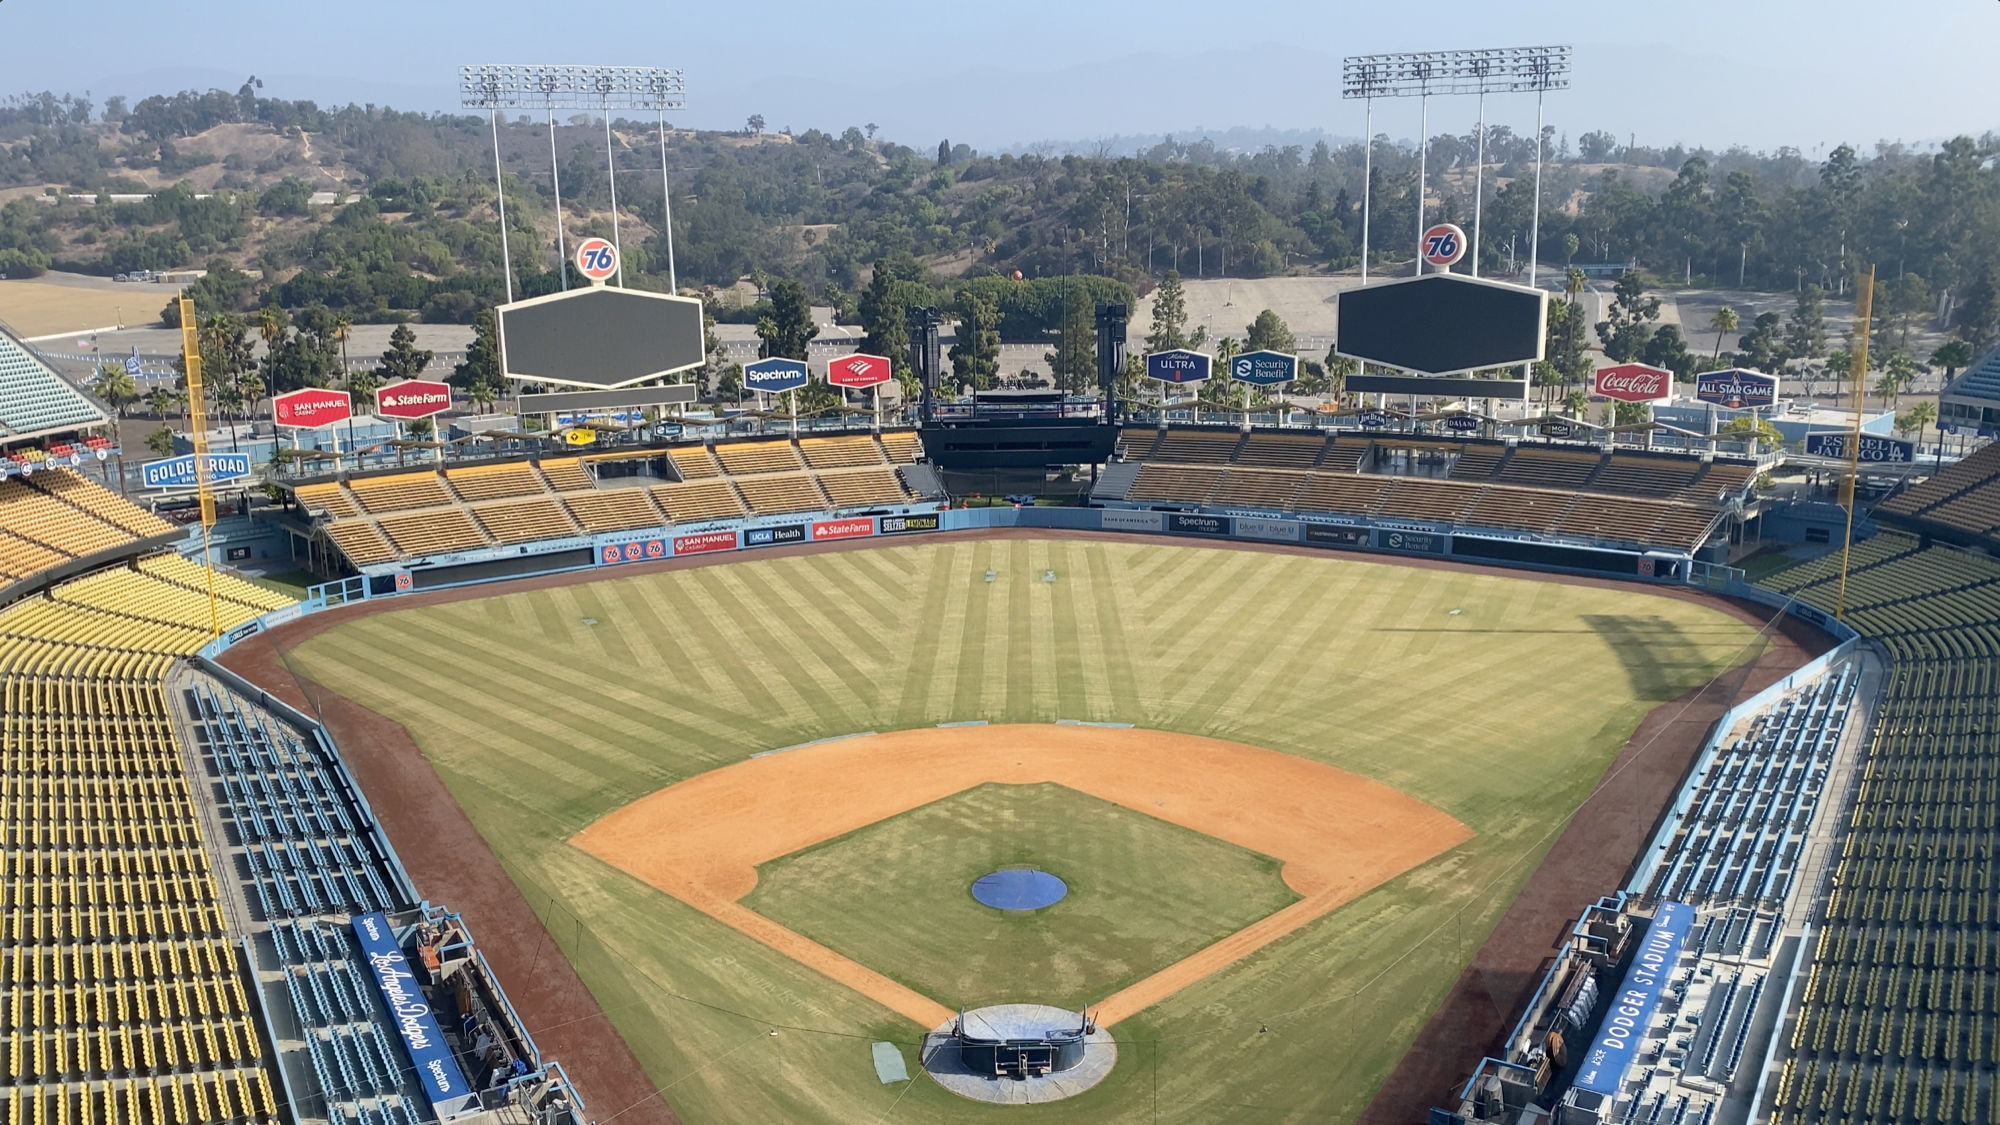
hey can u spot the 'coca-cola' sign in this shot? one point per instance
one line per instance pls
(1633, 382)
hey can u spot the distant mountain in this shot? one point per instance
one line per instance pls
(1235, 139)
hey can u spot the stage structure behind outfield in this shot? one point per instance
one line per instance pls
(1480, 72)
(497, 86)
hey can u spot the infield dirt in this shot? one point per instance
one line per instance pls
(1339, 834)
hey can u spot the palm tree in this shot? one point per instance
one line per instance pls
(1577, 402)
(343, 327)
(1723, 324)
(115, 386)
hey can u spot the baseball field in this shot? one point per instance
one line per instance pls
(1290, 795)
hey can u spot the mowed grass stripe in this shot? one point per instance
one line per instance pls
(1506, 723)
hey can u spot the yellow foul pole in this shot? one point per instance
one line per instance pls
(198, 423)
(1864, 307)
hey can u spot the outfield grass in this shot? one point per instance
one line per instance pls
(1143, 894)
(1496, 698)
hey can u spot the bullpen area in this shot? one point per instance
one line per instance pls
(1287, 798)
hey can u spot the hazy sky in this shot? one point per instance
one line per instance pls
(1713, 72)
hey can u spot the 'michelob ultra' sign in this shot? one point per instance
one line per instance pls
(444, 1084)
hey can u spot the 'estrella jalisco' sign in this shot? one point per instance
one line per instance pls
(1873, 450)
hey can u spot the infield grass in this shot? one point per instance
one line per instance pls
(1143, 894)
(1495, 697)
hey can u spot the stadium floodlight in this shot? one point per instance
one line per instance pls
(1501, 70)
(549, 87)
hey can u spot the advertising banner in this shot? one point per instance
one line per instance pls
(1632, 382)
(771, 536)
(1178, 365)
(1374, 419)
(639, 550)
(1282, 531)
(178, 472)
(1736, 388)
(1874, 450)
(1325, 536)
(1560, 429)
(858, 370)
(842, 529)
(704, 541)
(1264, 369)
(1419, 542)
(1461, 424)
(1624, 1028)
(1119, 519)
(437, 1072)
(412, 398)
(311, 408)
(1181, 523)
(898, 525)
(774, 375)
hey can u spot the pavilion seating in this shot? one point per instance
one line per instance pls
(1421, 499)
(495, 482)
(1282, 451)
(361, 541)
(1259, 488)
(1549, 468)
(433, 532)
(613, 509)
(330, 497)
(401, 492)
(1186, 484)
(902, 446)
(1520, 509)
(844, 452)
(525, 520)
(1346, 454)
(768, 456)
(1355, 494)
(770, 494)
(695, 463)
(567, 475)
(861, 488)
(1477, 463)
(1196, 446)
(693, 501)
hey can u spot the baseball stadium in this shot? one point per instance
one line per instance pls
(1361, 767)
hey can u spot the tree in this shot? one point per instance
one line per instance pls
(975, 354)
(755, 125)
(1667, 349)
(944, 152)
(1749, 427)
(1722, 325)
(478, 374)
(1269, 333)
(1169, 315)
(1805, 330)
(161, 441)
(789, 328)
(1977, 317)
(1898, 372)
(162, 401)
(1571, 244)
(871, 127)
(403, 360)
(1952, 355)
(1763, 346)
(1074, 362)
(1629, 322)
(1920, 414)
(115, 386)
